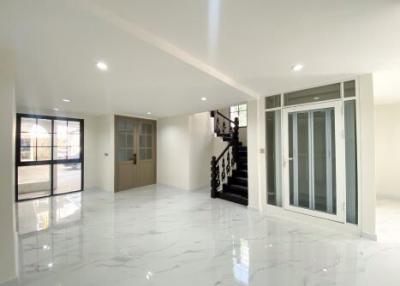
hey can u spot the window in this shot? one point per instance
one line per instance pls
(49, 156)
(239, 111)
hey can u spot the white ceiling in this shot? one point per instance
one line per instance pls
(163, 56)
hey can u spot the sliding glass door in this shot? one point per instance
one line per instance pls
(49, 156)
(313, 169)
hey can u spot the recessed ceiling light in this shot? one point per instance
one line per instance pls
(102, 66)
(55, 109)
(66, 100)
(148, 113)
(297, 67)
(203, 98)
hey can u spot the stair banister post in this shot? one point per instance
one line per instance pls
(214, 177)
(235, 141)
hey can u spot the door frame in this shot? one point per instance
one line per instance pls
(340, 160)
(138, 120)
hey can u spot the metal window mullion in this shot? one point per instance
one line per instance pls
(52, 160)
(36, 145)
(295, 162)
(311, 160)
(328, 148)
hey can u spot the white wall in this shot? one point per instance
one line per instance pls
(253, 154)
(7, 163)
(387, 150)
(184, 148)
(104, 152)
(173, 152)
(366, 164)
(200, 148)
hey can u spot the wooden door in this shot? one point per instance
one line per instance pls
(146, 152)
(135, 155)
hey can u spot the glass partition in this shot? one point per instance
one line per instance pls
(273, 157)
(351, 161)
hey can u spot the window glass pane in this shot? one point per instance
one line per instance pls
(67, 177)
(324, 161)
(243, 119)
(351, 161)
(74, 152)
(60, 133)
(33, 181)
(43, 153)
(74, 127)
(149, 141)
(74, 139)
(60, 153)
(148, 154)
(44, 126)
(28, 125)
(129, 140)
(350, 88)
(313, 94)
(273, 101)
(74, 134)
(242, 107)
(44, 140)
(234, 115)
(300, 159)
(28, 154)
(142, 141)
(28, 139)
(142, 154)
(273, 155)
(122, 139)
(234, 108)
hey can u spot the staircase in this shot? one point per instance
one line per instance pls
(229, 170)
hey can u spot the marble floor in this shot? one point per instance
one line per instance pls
(164, 236)
(388, 220)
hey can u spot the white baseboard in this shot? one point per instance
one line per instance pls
(370, 236)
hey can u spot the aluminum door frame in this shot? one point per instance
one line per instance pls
(340, 160)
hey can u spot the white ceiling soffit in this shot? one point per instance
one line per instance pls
(163, 56)
(165, 46)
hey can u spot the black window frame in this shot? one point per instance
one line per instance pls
(52, 162)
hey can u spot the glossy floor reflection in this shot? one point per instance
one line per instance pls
(163, 236)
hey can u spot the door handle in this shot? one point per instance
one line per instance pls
(134, 159)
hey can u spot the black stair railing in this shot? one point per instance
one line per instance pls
(223, 165)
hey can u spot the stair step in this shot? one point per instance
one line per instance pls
(240, 173)
(242, 165)
(234, 198)
(238, 181)
(235, 189)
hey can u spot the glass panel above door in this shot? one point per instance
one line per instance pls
(273, 101)
(316, 94)
(349, 88)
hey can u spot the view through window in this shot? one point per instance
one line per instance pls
(239, 111)
(49, 156)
